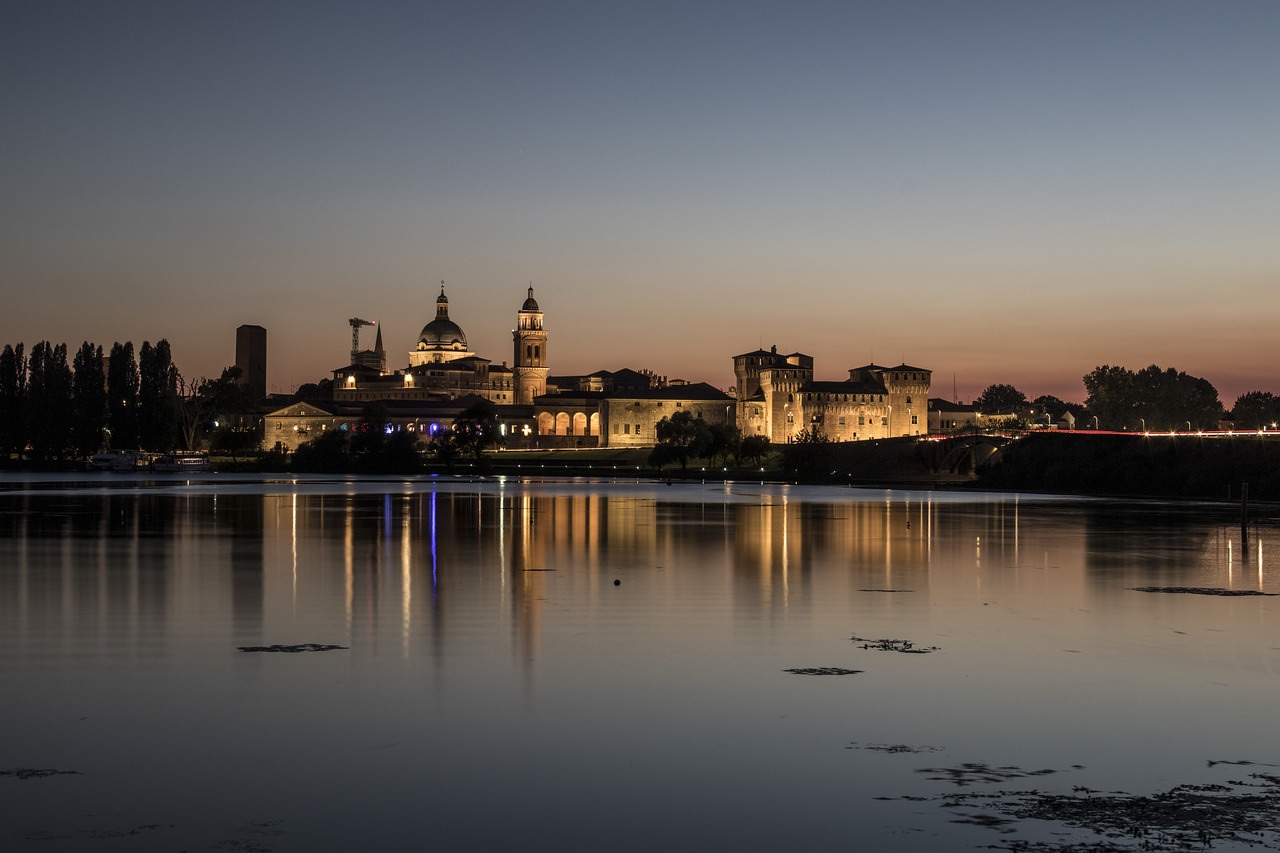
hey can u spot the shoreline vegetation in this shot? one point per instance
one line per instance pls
(1138, 466)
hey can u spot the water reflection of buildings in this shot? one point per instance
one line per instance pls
(440, 560)
(440, 575)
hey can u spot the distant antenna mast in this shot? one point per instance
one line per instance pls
(356, 323)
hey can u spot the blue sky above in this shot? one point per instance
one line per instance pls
(1003, 192)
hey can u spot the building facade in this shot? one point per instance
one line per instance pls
(777, 397)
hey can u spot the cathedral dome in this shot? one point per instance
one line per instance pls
(442, 333)
(530, 304)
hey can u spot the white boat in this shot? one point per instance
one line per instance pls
(181, 462)
(114, 460)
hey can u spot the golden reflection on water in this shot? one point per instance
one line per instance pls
(435, 566)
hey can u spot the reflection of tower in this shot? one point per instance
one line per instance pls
(531, 352)
(251, 358)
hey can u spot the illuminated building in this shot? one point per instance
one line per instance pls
(779, 398)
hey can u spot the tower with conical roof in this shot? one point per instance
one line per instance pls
(531, 352)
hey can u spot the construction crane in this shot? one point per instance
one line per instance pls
(356, 323)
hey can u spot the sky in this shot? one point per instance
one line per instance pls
(999, 192)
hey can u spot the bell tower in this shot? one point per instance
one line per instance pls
(531, 352)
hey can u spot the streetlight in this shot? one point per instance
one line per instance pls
(1095, 421)
(1144, 423)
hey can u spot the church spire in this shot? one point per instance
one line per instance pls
(442, 304)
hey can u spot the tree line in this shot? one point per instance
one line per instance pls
(52, 408)
(1152, 399)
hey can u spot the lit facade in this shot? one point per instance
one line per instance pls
(778, 397)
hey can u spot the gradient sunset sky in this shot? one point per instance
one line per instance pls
(1006, 192)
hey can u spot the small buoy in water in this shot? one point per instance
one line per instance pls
(617, 582)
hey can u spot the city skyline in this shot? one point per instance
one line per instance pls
(1000, 192)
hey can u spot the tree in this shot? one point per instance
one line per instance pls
(229, 412)
(753, 448)
(13, 401)
(320, 391)
(190, 407)
(122, 396)
(443, 447)
(1111, 396)
(810, 455)
(680, 437)
(1256, 410)
(476, 429)
(1173, 400)
(157, 397)
(723, 440)
(371, 434)
(1151, 399)
(1000, 398)
(327, 453)
(49, 400)
(88, 399)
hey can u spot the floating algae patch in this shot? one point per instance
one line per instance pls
(37, 772)
(822, 670)
(893, 748)
(1199, 590)
(294, 649)
(1182, 818)
(905, 647)
(976, 772)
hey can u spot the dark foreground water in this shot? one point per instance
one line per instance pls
(596, 666)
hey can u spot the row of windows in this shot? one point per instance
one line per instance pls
(841, 398)
(626, 429)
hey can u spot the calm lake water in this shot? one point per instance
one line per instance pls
(604, 666)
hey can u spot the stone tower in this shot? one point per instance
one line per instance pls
(251, 358)
(531, 352)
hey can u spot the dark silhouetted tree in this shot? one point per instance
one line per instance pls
(49, 401)
(370, 435)
(1151, 399)
(88, 399)
(475, 429)
(723, 441)
(680, 437)
(122, 396)
(318, 391)
(1112, 398)
(753, 448)
(1256, 410)
(1000, 398)
(157, 397)
(443, 447)
(328, 453)
(229, 413)
(13, 400)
